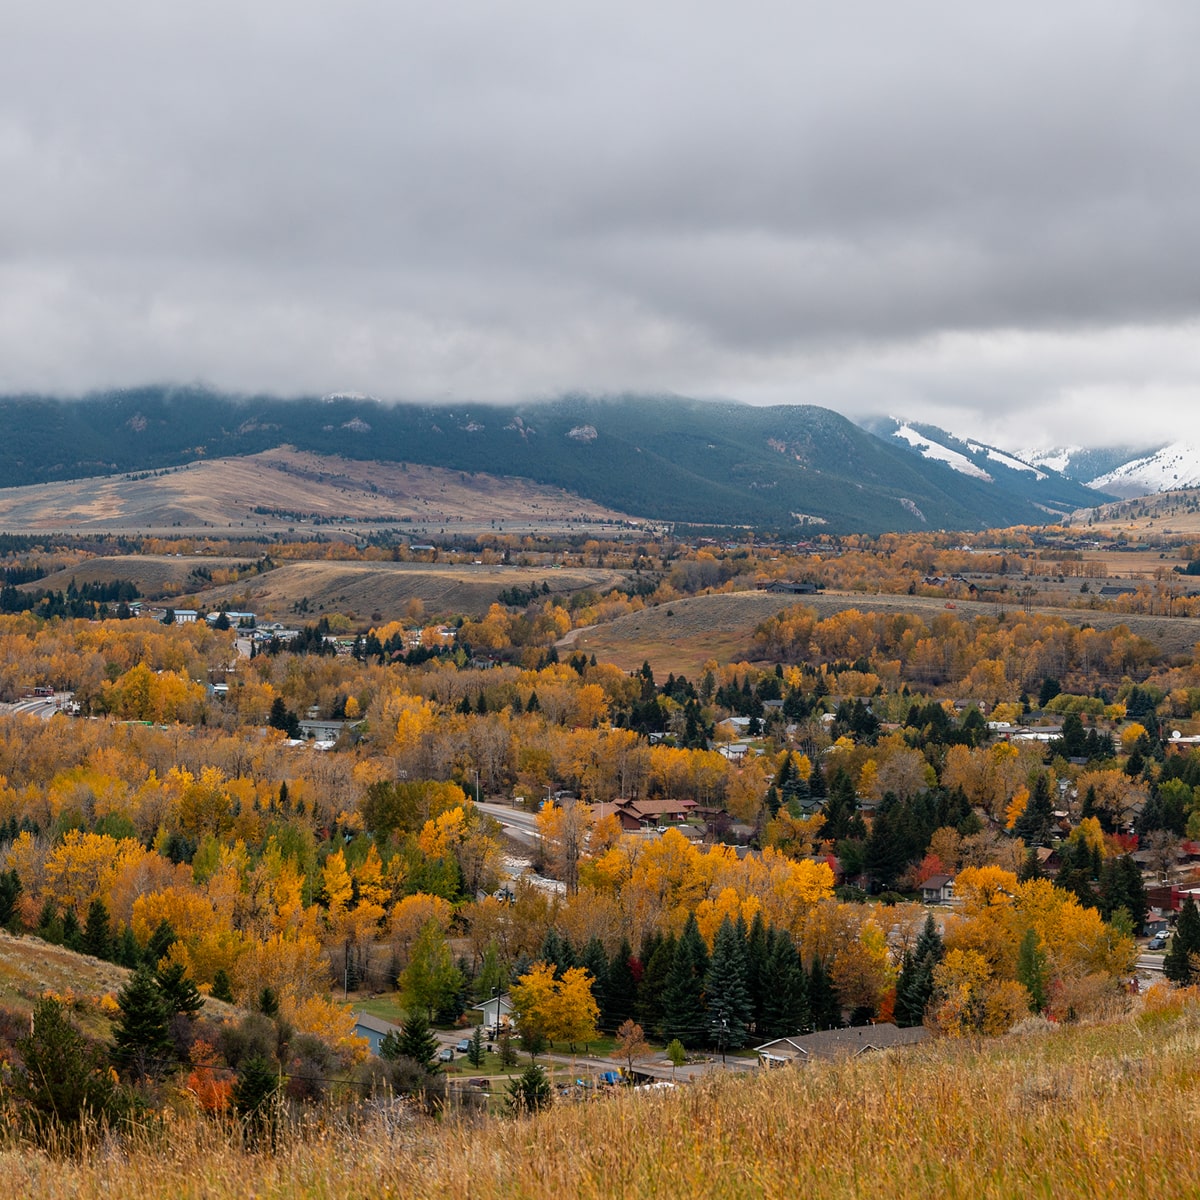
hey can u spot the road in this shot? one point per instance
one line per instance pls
(40, 706)
(517, 823)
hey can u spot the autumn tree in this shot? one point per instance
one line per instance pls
(631, 1044)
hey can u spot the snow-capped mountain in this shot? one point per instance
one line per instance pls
(1174, 466)
(1038, 482)
(1081, 463)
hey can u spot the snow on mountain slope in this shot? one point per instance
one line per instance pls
(1056, 459)
(1005, 460)
(1174, 466)
(930, 449)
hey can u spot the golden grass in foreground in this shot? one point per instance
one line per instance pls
(1110, 1110)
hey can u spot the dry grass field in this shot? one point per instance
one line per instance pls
(155, 575)
(361, 588)
(31, 968)
(681, 636)
(389, 588)
(1069, 1113)
(223, 496)
(1168, 514)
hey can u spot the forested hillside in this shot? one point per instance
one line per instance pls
(663, 457)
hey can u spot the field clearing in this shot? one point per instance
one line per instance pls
(1071, 1112)
(297, 490)
(362, 588)
(154, 575)
(389, 588)
(681, 636)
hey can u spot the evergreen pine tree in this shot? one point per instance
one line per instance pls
(621, 994)
(10, 892)
(141, 1037)
(178, 990)
(62, 1076)
(72, 934)
(785, 1003)
(255, 1093)
(1075, 874)
(530, 1092)
(222, 988)
(558, 952)
(1032, 970)
(1178, 963)
(417, 1041)
(914, 987)
(823, 1000)
(725, 989)
(1030, 868)
(1034, 822)
(161, 940)
(596, 961)
(684, 1015)
(1121, 886)
(653, 983)
(127, 952)
(816, 782)
(97, 936)
(49, 927)
(759, 943)
(475, 1050)
(841, 807)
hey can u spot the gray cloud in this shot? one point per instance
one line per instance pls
(984, 216)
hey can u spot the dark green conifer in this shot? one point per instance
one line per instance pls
(142, 1045)
(726, 994)
(684, 1016)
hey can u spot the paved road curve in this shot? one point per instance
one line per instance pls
(517, 823)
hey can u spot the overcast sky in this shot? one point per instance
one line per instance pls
(986, 216)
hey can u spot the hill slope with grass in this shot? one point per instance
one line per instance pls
(1100, 1110)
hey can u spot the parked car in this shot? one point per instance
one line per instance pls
(1158, 942)
(463, 1045)
(445, 1054)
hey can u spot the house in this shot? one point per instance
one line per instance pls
(791, 587)
(185, 616)
(373, 1029)
(497, 1012)
(633, 815)
(323, 731)
(937, 889)
(837, 1043)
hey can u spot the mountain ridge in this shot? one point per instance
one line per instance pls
(661, 457)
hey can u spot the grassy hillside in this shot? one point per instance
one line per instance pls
(288, 490)
(31, 968)
(1105, 1110)
(682, 635)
